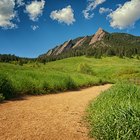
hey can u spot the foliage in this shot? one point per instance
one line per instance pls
(8, 58)
(1, 97)
(70, 84)
(115, 114)
(85, 68)
(67, 74)
(115, 44)
(6, 87)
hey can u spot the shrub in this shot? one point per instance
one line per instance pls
(85, 68)
(128, 71)
(138, 57)
(1, 97)
(115, 114)
(70, 84)
(47, 87)
(6, 87)
(29, 87)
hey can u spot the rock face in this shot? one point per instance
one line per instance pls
(49, 52)
(80, 42)
(60, 49)
(72, 44)
(82, 45)
(98, 36)
(64, 47)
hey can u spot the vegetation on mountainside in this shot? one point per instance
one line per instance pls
(7, 58)
(115, 114)
(37, 78)
(115, 44)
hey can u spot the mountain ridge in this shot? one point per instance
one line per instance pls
(69, 44)
(101, 41)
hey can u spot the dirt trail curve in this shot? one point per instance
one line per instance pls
(49, 117)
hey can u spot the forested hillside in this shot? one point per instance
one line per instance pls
(100, 44)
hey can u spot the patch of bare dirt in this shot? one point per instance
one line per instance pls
(49, 117)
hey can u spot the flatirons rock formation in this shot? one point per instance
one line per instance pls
(98, 36)
(101, 39)
(72, 44)
(64, 47)
(60, 49)
(49, 52)
(80, 42)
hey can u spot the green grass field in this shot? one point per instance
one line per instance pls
(66, 74)
(115, 114)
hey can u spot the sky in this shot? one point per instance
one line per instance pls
(29, 28)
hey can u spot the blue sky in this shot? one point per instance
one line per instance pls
(29, 28)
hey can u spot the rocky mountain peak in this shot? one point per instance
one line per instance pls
(80, 42)
(67, 45)
(100, 30)
(98, 36)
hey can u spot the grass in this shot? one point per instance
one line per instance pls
(115, 114)
(67, 74)
(6, 88)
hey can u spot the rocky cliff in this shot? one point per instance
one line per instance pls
(101, 38)
(98, 36)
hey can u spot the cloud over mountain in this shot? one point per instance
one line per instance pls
(126, 15)
(65, 15)
(92, 4)
(20, 2)
(7, 13)
(35, 9)
(103, 10)
(34, 27)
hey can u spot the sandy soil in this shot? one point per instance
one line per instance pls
(49, 117)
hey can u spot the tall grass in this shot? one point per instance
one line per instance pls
(85, 68)
(67, 74)
(115, 114)
(1, 97)
(6, 88)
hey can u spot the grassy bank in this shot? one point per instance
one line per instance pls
(62, 75)
(115, 114)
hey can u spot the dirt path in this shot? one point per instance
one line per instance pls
(49, 117)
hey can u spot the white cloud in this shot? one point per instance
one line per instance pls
(7, 14)
(35, 9)
(20, 2)
(103, 10)
(65, 15)
(34, 27)
(126, 15)
(92, 4)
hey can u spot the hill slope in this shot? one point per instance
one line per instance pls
(66, 74)
(102, 43)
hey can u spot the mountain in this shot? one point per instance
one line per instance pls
(100, 43)
(98, 36)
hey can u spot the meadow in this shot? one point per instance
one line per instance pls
(67, 74)
(115, 114)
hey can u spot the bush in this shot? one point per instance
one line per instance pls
(6, 87)
(66, 83)
(115, 114)
(85, 68)
(128, 71)
(29, 87)
(46, 86)
(1, 97)
(70, 84)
